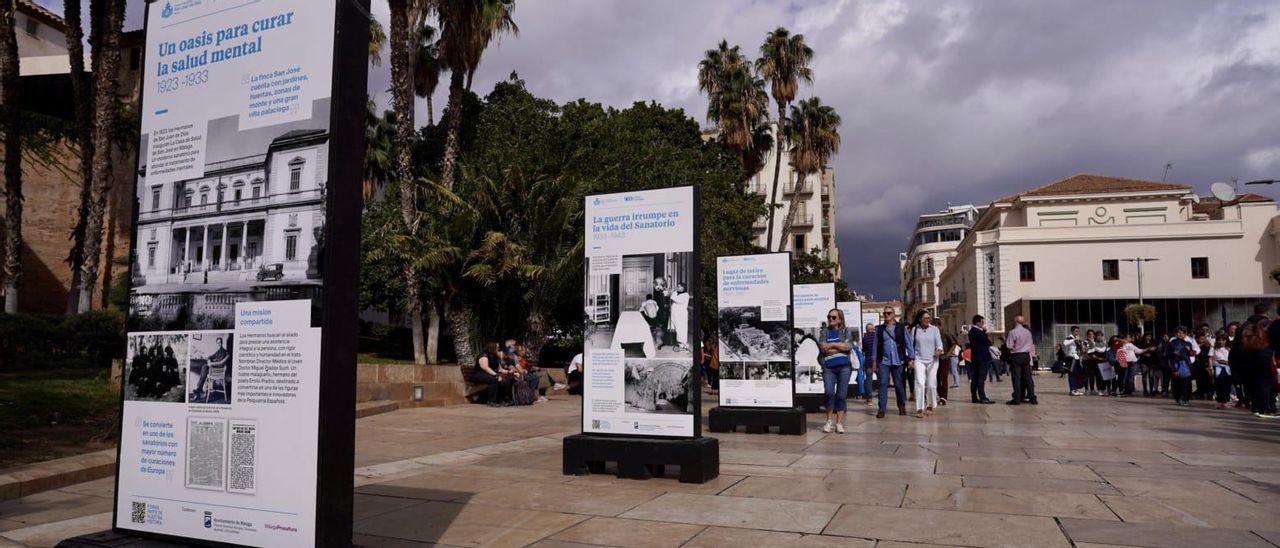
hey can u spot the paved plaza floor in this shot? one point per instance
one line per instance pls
(1083, 471)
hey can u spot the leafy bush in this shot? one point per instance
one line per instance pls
(34, 341)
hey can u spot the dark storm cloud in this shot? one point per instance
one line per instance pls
(947, 101)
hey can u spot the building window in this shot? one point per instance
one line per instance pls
(151, 256)
(204, 198)
(239, 193)
(291, 247)
(33, 27)
(186, 200)
(1110, 269)
(799, 247)
(155, 198)
(1027, 271)
(295, 174)
(1200, 268)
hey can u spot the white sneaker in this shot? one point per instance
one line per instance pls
(826, 428)
(542, 399)
(840, 428)
(559, 386)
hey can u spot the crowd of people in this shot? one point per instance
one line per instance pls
(510, 377)
(1234, 366)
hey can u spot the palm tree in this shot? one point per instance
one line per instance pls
(466, 28)
(377, 39)
(814, 136)
(10, 118)
(736, 102)
(82, 95)
(402, 13)
(379, 149)
(784, 62)
(108, 25)
(426, 65)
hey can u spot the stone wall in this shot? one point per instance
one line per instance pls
(442, 384)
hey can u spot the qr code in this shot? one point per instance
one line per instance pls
(139, 512)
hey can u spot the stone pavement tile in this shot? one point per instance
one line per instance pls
(466, 525)
(1112, 470)
(1042, 485)
(1008, 469)
(1261, 476)
(919, 452)
(373, 541)
(777, 471)
(548, 543)
(629, 533)
(1100, 455)
(762, 458)
(105, 488)
(896, 544)
(999, 460)
(1165, 488)
(510, 474)
(1272, 536)
(51, 506)
(367, 506)
(569, 499)
(1007, 501)
(50, 534)
(434, 486)
(893, 476)
(995, 441)
(1218, 459)
(1192, 512)
(1157, 535)
(943, 527)
(6, 525)
(851, 450)
(772, 515)
(824, 541)
(1242, 447)
(1256, 491)
(1113, 444)
(866, 463)
(716, 537)
(660, 485)
(841, 490)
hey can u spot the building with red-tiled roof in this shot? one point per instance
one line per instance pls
(1063, 254)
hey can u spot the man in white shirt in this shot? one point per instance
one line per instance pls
(1071, 349)
(573, 374)
(928, 346)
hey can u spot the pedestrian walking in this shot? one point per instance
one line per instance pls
(836, 345)
(1021, 349)
(1071, 351)
(927, 339)
(894, 350)
(1252, 355)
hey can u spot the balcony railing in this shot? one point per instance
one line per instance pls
(805, 189)
(802, 220)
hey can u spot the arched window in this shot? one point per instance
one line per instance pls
(259, 188)
(295, 173)
(237, 192)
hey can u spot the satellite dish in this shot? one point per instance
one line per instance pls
(1195, 198)
(1223, 191)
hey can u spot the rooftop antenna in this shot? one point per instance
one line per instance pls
(1167, 167)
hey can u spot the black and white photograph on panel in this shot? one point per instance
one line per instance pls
(780, 370)
(209, 379)
(658, 386)
(155, 367)
(745, 336)
(734, 371)
(250, 229)
(808, 374)
(645, 310)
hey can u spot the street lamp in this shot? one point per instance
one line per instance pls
(1142, 326)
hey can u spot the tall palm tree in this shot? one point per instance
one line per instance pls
(736, 102)
(108, 25)
(814, 134)
(466, 29)
(82, 95)
(377, 39)
(784, 62)
(12, 121)
(403, 12)
(426, 65)
(379, 149)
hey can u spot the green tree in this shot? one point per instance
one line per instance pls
(784, 63)
(736, 103)
(426, 66)
(814, 268)
(815, 137)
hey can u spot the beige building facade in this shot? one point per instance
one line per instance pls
(1067, 253)
(932, 246)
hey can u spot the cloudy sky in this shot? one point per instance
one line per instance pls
(947, 101)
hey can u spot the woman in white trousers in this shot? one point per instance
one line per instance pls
(929, 348)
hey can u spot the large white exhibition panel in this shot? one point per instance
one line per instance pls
(811, 303)
(755, 339)
(640, 314)
(220, 418)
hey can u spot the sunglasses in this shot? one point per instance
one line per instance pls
(833, 317)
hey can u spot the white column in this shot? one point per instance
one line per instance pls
(244, 245)
(204, 249)
(186, 248)
(225, 252)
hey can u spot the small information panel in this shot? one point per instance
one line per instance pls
(754, 337)
(222, 384)
(641, 302)
(811, 302)
(853, 320)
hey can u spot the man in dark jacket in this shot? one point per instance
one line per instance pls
(893, 350)
(980, 356)
(1254, 364)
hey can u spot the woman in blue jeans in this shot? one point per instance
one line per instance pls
(836, 368)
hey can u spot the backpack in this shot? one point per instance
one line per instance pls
(1254, 336)
(523, 394)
